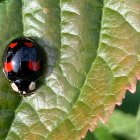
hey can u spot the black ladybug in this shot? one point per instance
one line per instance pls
(23, 64)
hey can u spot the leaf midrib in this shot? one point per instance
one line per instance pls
(86, 75)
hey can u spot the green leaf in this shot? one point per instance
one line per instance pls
(138, 125)
(93, 57)
(122, 124)
(10, 25)
(102, 133)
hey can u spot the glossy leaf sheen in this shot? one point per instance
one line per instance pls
(93, 57)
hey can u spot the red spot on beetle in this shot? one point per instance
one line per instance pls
(8, 67)
(13, 45)
(35, 66)
(28, 44)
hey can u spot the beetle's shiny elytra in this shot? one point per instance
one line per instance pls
(23, 64)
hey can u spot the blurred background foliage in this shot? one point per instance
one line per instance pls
(124, 124)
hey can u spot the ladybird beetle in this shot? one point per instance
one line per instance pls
(23, 64)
